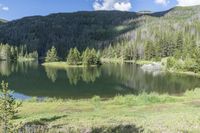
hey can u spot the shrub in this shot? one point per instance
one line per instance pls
(171, 61)
(8, 109)
(190, 65)
(96, 101)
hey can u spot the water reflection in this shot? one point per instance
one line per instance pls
(133, 77)
(90, 74)
(74, 75)
(127, 77)
(7, 68)
(51, 73)
(31, 79)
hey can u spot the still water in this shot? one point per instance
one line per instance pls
(30, 79)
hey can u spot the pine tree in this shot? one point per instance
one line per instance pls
(196, 56)
(179, 42)
(148, 50)
(93, 57)
(70, 56)
(178, 49)
(5, 53)
(86, 56)
(51, 55)
(8, 110)
(73, 57)
(90, 57)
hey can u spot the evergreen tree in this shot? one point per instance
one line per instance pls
(51, 55)
(148, 50)
(86, 56)
(8, 110)
(196, 56)
(179, 42)
(73, 57)
(5, 53)
(90, 57)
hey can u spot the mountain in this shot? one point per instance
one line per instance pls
(2, 21)
(66, 30)
(96, 29)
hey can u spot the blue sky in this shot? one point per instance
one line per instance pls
(15, 9)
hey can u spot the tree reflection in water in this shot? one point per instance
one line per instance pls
(86, 74)
(7, 68)
(51, 73)
(74, 75)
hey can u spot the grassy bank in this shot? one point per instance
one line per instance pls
(181, 72)
(146, 112)
(143, 62)
(112, 60)
(117, 60)
(23, 59)
(63, 65)
(183, 67)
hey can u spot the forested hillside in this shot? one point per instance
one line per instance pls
(175, 34)
(67, 30)
(2, 21)
(118, 32)
(163, 34)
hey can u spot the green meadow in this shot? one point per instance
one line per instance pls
(142, 113)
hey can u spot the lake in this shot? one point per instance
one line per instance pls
(30, 79)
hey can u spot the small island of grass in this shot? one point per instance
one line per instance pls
(63, 64)
(88, 58)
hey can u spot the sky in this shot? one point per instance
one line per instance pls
(15, 9)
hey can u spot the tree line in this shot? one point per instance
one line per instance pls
(179, 42)
(8, 52)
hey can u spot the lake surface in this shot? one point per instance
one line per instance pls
(33, 80)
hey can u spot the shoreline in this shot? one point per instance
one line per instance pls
(115, 60)
(145, 62)
(189, 73)
(142, 111)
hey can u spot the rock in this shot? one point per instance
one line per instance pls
(153, 67)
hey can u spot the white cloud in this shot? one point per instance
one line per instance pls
(122, 5)
(162, 2)
(188, 2)
(3, 8)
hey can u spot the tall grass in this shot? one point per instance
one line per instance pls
(143, 99)
(129, 100)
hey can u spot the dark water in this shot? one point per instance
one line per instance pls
(31, 79)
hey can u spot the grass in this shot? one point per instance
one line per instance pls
(143, 62)
(24, 59)
(112, 60)
(63, 65)
(145, 112)
(118, 60)
(182, 72)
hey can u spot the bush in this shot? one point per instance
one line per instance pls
(190, 65)
(171, 61)
(179, 65)
(96, 101)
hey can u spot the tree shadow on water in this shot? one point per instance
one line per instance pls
(118, 129)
